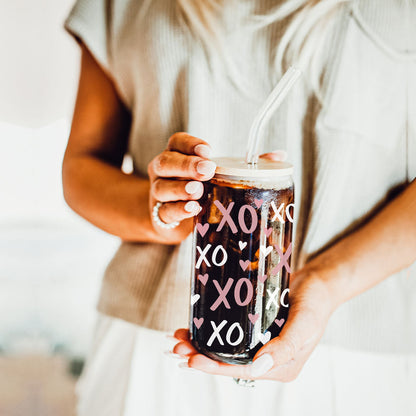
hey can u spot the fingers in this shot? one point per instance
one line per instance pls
(189, 145)
(177, 211)
(197, 361)
(207, 365)
(300, 333)
(285, 372)
(182, 334)
(184, 348)
(278, 351)
(165, 190)
(185, 158)
(177, 165)
(268, 369)
(289, 371)
(278, 354)
(203, 363)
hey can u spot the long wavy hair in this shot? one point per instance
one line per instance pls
(302, 43)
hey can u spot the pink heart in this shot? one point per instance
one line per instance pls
(202, 229)
(244, 264)
(198, 322)
(203, 278)
(268, 231)
(279, 322)
(258, 202)
(253, 318)
(262, 278)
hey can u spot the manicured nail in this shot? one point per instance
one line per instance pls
(171, 338)
(202, 150)
(172, 354)
(193, 187)
(206, 168)
(262, 365)
(184, 366)
(282, 154)
(192, 206)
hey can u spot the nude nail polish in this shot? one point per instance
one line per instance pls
(192, 206)
(202, 150)
(206, 168)
(172, 354)
(193, 187)
(261, 365)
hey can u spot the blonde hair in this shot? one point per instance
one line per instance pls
(302, 44)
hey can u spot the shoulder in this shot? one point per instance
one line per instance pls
(138, 16)
(148, 45)
(130, 39)
(103, 24)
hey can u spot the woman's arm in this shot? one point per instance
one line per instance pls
(94, 185)
(119, 203)
(381, 247)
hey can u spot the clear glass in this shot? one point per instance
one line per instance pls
(241, 262)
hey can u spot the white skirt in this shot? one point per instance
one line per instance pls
(128, 374)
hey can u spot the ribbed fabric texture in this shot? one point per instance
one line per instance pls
(348, 151)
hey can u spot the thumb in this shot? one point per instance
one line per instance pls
(284, 348)
(275, 155)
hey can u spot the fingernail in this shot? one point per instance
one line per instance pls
(202, 150)
(171, 337)
(184, 366)
(262, 365)
(281, 153)
(193, 187)
(206, 168)
(172, 354)
(192, 206)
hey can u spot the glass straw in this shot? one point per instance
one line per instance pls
(272, 103)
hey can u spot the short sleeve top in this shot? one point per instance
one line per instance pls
(352, 151)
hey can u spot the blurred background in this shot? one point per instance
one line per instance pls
(51, 261)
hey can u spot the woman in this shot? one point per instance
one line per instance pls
(151, 69)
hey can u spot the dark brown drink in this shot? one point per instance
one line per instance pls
(242, 247)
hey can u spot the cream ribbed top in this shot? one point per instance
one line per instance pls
(350, 152)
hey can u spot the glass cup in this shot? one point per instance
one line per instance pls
(242, 244)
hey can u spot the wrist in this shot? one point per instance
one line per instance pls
(332, 275)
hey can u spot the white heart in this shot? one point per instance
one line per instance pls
(266, 250)
(264, 338)
(242, 245)
(194, 299)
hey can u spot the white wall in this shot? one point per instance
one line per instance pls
(51, 261)
(38, 62)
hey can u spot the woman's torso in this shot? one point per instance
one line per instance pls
(351, 152)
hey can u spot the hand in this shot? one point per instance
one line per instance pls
(176, 177)
(283, 357)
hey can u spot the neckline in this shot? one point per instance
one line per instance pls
(403, 56)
